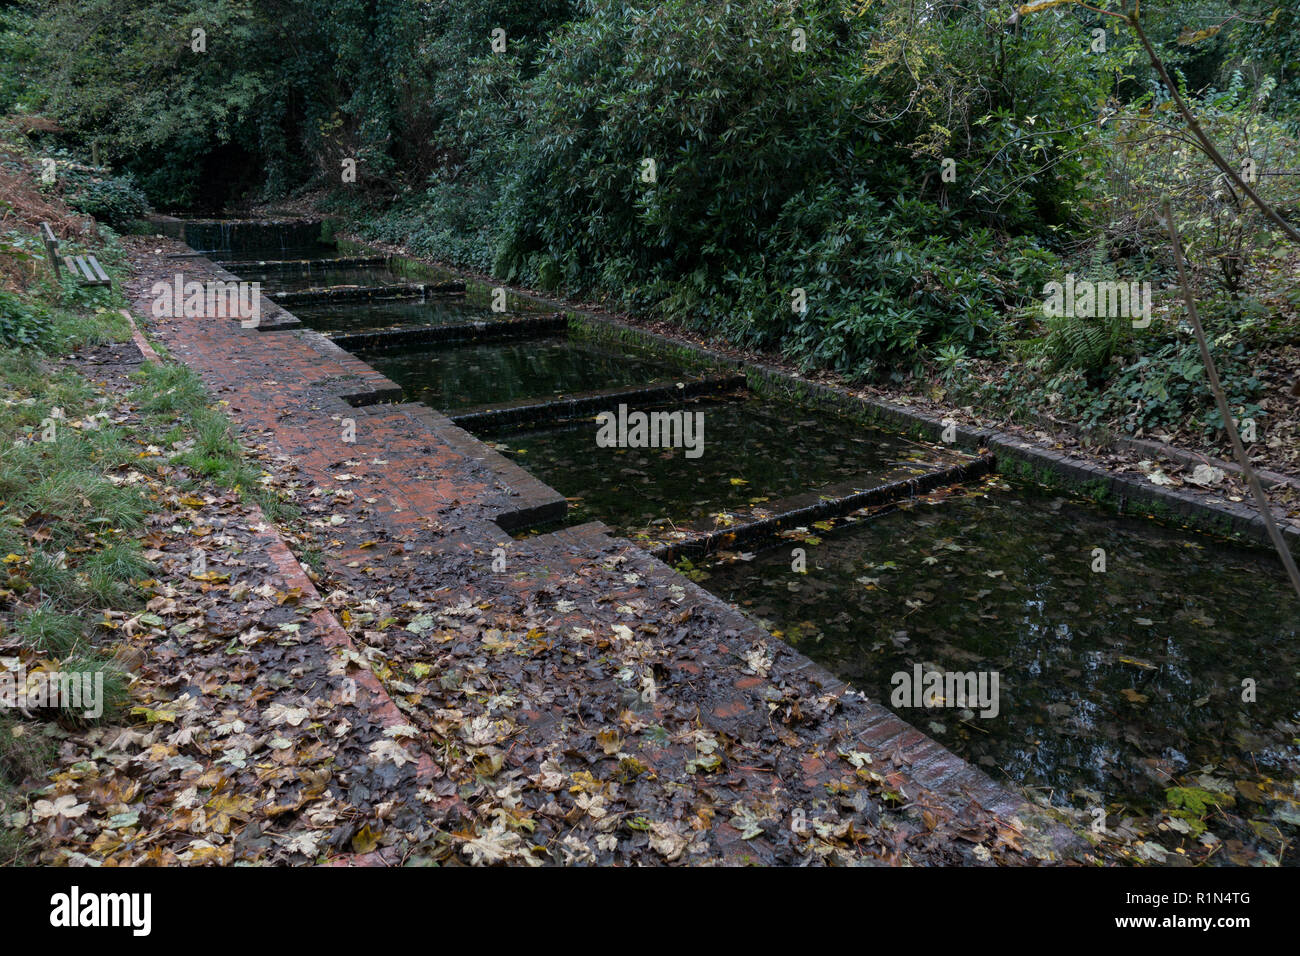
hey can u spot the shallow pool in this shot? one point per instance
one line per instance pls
(1164, 684)
(755, 454)
(455, 377)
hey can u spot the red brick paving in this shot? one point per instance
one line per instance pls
(416, 519)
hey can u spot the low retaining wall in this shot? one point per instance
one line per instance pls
(561, 410)
(360, 293)
(505, 328)
(793, 513)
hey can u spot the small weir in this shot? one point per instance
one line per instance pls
(326, 280)
(230, 238)
(588, 405)
(304, 265)
(398, 289)
(376, 315)
(320, 274)
(461, 326)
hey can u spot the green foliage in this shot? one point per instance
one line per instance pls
(115, 200)
(778, 166)
(1162, 387)
(773, 171)
(1196, 800)
(126, 75)
(952, 361)
(17, 52)
(22, 323)
(1151, 162)
(1084, 344)
(55, 315)
(1271, 44)
(1087, 343)
(49, 632)
(284, 90)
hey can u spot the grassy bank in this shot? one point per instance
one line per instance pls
(81, 464)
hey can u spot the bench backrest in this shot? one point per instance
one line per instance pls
(51, 246)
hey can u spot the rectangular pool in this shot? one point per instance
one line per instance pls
(456, 377)
(755, 455)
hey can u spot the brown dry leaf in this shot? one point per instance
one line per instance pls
(667, 840)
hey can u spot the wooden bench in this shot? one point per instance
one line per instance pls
(86, 269)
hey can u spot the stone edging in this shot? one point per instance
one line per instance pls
(764, 531)
(523, 327)
(565, 410)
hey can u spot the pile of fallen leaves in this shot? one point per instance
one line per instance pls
(560, 734)
(243, 739)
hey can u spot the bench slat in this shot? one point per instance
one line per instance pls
(100, 275)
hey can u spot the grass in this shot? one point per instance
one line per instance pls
(50, 632)
(64, 530)
(68, 532)
(204, 438)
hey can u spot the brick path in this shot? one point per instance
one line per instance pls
(406, 517)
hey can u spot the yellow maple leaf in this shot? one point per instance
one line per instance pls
(365, 840)
(212, 577)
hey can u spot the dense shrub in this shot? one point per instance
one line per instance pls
(773, 170)
(112, 199)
